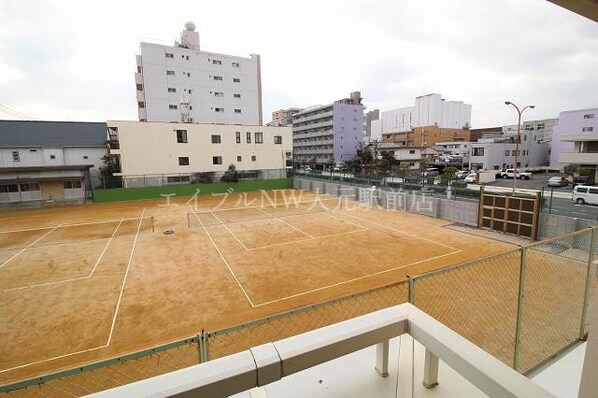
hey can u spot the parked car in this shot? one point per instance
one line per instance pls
(557, 181)
(510, 173)
(470, 178)
(583, 180)
(585, 194)
(431, 172)
(307, 169)
(462, 174)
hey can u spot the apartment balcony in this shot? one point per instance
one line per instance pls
(313, 116)
(318, 125)
(587, 158)
(580, 137)
(396, 352)
(314, 134)
(313, 143)
(302, 151)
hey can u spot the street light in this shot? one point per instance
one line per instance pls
(519, 112)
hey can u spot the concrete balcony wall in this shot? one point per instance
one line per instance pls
(578, 158)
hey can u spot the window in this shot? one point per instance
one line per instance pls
(139, 87)
(253, 158)
(477, 151)
(507, 152)
(141, 104)
(85, 157)
(181, 136)
(248, 135)
(188, 74)
(217, 160)
(540, 126)
(33, 150)
(237, 110)
(219, 109)
(216, 62)
(171, 90)
(171, 106)
(189, 91)
(138, 69)
(218, 94)
(71, 184)
(216, 139)
(169, 73)
(259, 138)
(183, 161)
(588, 116)
(236, 80)
(169, 55)
(412, 152)
(277, 140)
(593, 190)
(235, 64)
(237, 95)
(239, 158)
(587, 129)
(525, 138)
(16, 157)
(217, 77)
(238, 137)
(582, 190)
(9, 188)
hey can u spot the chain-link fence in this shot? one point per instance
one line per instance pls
(432, 186)
(158, 180)
(559, 278)
(111, 373)
(305, 319)
(477, 299)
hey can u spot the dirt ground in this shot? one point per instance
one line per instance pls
(84, 283)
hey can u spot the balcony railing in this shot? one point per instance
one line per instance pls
(271, 362)
(578, 158)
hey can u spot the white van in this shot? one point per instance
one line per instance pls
(585, 194)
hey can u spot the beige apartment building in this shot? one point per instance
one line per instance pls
(177, 151)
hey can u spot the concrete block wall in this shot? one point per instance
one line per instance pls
(552, 225)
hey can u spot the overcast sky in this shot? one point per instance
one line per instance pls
(74, 60)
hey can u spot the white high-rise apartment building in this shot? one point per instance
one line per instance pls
(180, 83)
(429, 110)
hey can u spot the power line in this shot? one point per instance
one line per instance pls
(13, 112)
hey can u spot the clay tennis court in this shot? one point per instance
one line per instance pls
(84, 283)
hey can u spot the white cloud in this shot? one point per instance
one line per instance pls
(75, 60)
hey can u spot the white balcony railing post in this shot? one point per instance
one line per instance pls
(430, 370)
(382, 351)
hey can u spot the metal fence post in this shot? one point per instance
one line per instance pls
(202, 346)
(412, 290)
(586, 295)
(520, 303)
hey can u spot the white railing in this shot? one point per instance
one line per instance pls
(270, 362)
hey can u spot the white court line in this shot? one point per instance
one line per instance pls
(305, 240)
(290, 225)
(353, 280)
(29, 245)
(93, 270)
(285, 203)
(71, 225)
(399, 231)
(226, 263)
(228, 229)
(111, 329)
(122, 288)
(347, 221)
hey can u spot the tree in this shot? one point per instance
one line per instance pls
(230, 175)
(571, 169)
(111, 165)
(386, 162)
(449, 173)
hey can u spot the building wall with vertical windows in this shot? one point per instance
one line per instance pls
(328, 133)
(183, 148)
(180, 83)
